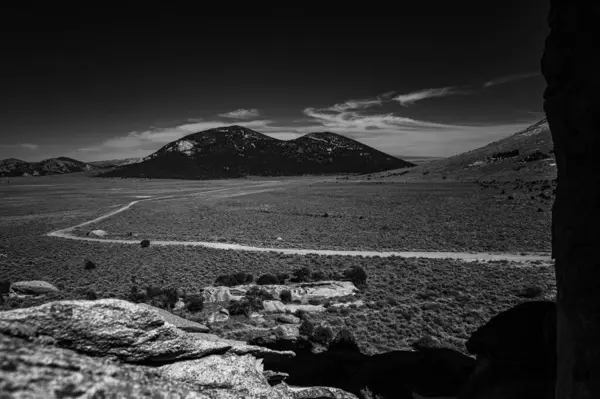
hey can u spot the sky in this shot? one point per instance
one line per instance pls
(436, 79)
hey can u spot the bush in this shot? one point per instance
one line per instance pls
(301, 275)
(307, 327)
(194, 303)
(282, 277)
(314, 301)
(531, 291)
(135, 295)
(258, 293)
(322, 335)
(267, 279)
(357, 275)
(4, 287)
(318, 276)
(243, 307)
(89, 265)
(230, 280)
(285, 296)
(90, 295)
(145, 243)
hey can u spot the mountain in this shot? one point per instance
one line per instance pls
(236, 151)
(15, 167)
(525, 154)
(113, 163)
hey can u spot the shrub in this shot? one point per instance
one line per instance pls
(531, 291)
(145, 243)
(301, 275)
(259, 293)
(135, 295)
(314, 301)
(89, 265)
(357, 275)
(4, 287)
(285, 296)
(318, 276)
(267, 279)
(242, 307)
(90, 295)
(282, 277)
(194, 303)
(322, 335)
(230, 280)
(307, 327)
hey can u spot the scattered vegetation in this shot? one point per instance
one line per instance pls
(230, 280)
(267, 279)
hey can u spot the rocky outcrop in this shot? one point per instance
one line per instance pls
(179, 322)
(97, 233)
(34, 287)
(572, 103)
(115, 328)
(515, 353)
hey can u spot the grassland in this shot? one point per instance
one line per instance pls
(407, 298)
(369, 216)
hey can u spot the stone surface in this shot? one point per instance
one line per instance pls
(34, 287)
(570, 65)
(179, 322)
(241, 375)
(217, 294)
(97, 233)
(29, 370)
(288, 319)
(218, 317)
(116, 328)
(287, 332)
(320, 393)
(273, 307)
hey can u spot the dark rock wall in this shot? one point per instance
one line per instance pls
(571, 67)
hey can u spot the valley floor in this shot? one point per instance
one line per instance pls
(410, 297)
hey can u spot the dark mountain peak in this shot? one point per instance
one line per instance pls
(10, 161)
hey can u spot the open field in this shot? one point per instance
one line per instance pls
(407, 297)
(344, 216)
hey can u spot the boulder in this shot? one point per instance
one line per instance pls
(115, 328)
(218, 294)
(179, 305)
(320, 393)
(288, 319)
(218, 317)
(287, 332)
(273, 306)
(515, 350)
(32, 370)
(34, 287)
(97, 233)
(179, 322)
(239, 375)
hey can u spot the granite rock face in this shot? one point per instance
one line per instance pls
(116, 328)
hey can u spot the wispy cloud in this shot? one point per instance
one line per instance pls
(509, 78)
(411, 98)
(29, 146)
(241, 113)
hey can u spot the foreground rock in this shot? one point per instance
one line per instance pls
(179, 322)
(116, 328)
(97, 233)
(34, 287)
(515, 353)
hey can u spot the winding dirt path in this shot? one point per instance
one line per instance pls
(67, 233)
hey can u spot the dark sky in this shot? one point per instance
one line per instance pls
(434, 79)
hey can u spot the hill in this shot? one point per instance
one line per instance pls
(12, 167)
(236, 151)
(527, 154)
(113, 163)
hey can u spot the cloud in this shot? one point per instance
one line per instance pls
(241, 114)
(412, 97)
(29, 146)
(509, 78)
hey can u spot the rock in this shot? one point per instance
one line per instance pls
(218, 294)
(179, 305)
(279, 239)
(287, 332)
(238, 375)
(31, 370)
(224, 311)
(97, 233)
(145, 243)
(179, 322)
(116, 328)
(320, 393)
(516, 348)
(273, 307)
(34, 287)
(217, 317)
(288, 319)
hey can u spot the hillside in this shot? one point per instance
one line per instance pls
(235, 151)
(113, 163)
(15, 167)
(527, 154)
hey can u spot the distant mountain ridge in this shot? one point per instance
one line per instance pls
(13, 167)
(113, 163)
(236, 151)
(528, 153)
